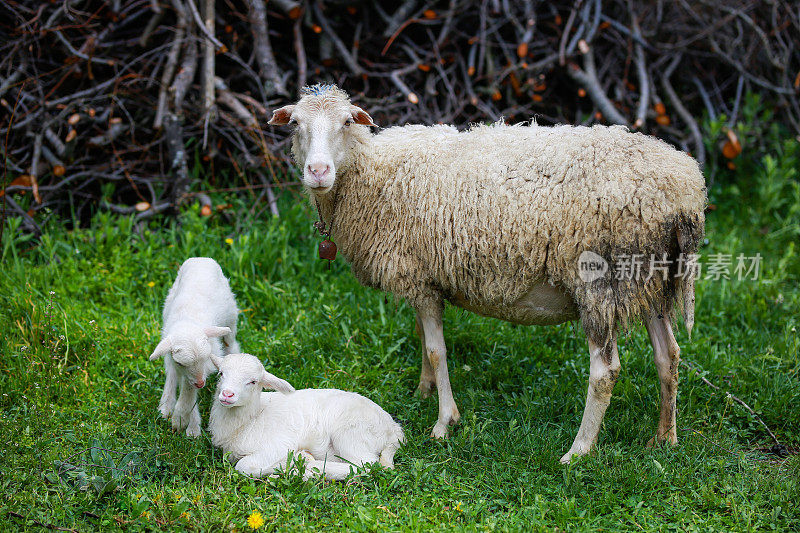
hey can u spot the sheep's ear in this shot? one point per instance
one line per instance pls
(216, 331)
(162, 349)
(268, 381)
(360, 116)
(282, 116)
(216, 361)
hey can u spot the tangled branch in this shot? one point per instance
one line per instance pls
(126, 104)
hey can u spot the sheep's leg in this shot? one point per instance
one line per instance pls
(167, 403)
(186, 412)
(603, 371)
(427, 380)
(667, 356)
(437, 357)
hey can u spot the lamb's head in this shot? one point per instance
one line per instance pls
(241, 379)
(190, 349)
(327, 127)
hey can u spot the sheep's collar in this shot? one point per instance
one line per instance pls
(327, 248)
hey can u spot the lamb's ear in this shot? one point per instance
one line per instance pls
(162, 349)
(216, 331)
(282, 116)
(216, 361)
(268, 381)
(360, 116)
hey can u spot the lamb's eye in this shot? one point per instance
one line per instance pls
(252, 382)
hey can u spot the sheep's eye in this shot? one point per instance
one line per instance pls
(347, 124)
(252, 382)
(180, 364)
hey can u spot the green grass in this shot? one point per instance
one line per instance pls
(80, 317)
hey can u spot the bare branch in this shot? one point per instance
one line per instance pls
(687, 117)
(257, 14)
(644, 80)
(588, 79)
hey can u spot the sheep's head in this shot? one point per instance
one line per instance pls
(190, 349)
(241, 379)
(323, 136)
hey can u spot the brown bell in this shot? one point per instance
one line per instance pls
(327, 250)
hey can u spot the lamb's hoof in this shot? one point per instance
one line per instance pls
(165, 411)
(177, 423)
(193, 431)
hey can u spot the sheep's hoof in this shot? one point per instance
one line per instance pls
(425, 389)
(165, 411)
(440, 431)
(193, 431)
(575, 451)
(659, 440)
(442, 428)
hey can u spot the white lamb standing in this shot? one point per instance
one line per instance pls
(500, 220)
(333, 430)
(199, 321)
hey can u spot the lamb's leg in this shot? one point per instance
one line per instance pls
(330, 469)
(386, 457)
(229, 344)
(603, 371)
(437, 356)
(667, 356)
(186, 413)
(427, 381)
(167, 403)
(258, 466)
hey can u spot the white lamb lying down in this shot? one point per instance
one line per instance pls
(335, 431)
(200, 309)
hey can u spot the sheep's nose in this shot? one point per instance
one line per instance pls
(319, 170)
(200, 383)
(227, 393)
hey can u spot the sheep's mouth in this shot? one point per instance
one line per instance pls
(227, 403)
(321, 189)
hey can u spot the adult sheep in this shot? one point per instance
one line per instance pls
(495, 219)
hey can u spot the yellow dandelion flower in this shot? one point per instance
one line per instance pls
(177, 497)
(229, 240)
(458, 507)
(255, 520)
(151, 284)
